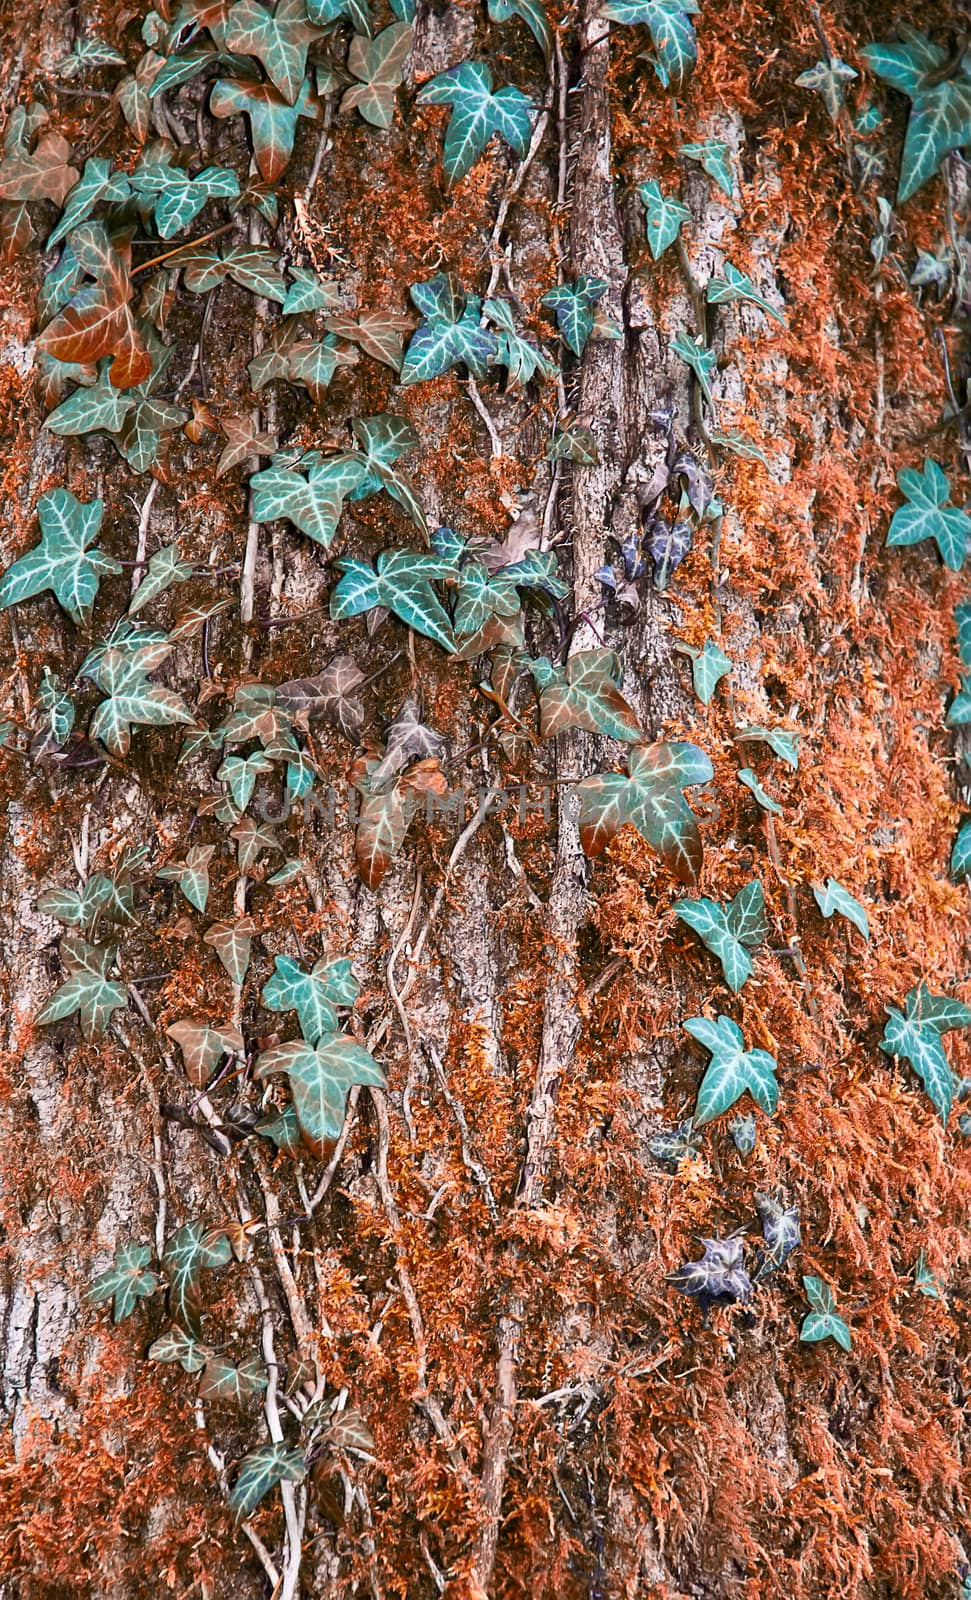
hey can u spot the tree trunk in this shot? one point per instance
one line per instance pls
(480, 1268)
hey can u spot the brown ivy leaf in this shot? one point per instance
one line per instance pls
(377, 332)
(232, 942)
(330, 695)
(204, 1046)
(43, 173)
(98, 320)
(242, 443)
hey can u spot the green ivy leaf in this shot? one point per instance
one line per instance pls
(532, 13)
(165, 568)
(203, 1047)
(191, 875)
(278, 39)
(715, 158)
(320, 1076)
(178, 199)
(924, 1279)
(379, 66)
(573, 306)
(97, 185)
(747, 776)
(584, 694)
(671, 29)
(665, 217)
(651, 798)
(477, 114)
(313, 995)
(823, 1321)
(255, 268)
(783, 744)
(87, 989)
(730, 933)
(927, 514)
(401, 580)
(732, 1070)
(191, 1250)
(572, 442)
(449, 334)
(272, 120)
(126, 1281)
(221, 1380)
(831, 897)
(239, 774)
(826, 78)
(940, 111)
(179, 1347)
(63, 561)
(918, 1040)
(522, 360)
(961, 852)
(702, 361)
(309, 292)
(708, 666)
(735, 285)
(121, 671)
(89, 52)
(261, 1471)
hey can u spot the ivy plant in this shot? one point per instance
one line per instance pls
(730, 933)
(732, 1071)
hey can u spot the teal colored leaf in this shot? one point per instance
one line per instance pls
(192, 874)
(279, 40)
(826, 78)
(401, 581)
(283, 1128)
(89, 52)
(87, 988)
(665, 217)
(120, 669)
(708, 666)
(100, 408)
(715, 158)
(379, 66)
(533, 13)
(671, 30)
(940, 111)
(192, 1250)
(261, 1471)
(255, 268)
(310, 495)
(747, 776)
(961, 852)
(177, 1346)
(77, 909)
(919, 1042)
(962, 619)
(165, 568)
(584, 694)
(924, 1279)
(927, 514)
(573, 442)
(478, 112)
(744, 1132)
(313, 995)
(959, 711)
(63, 561)
(521, 358)
(782, 743)
(221, 1380)
(735, 285)
(320, 1076)
(731, 1071)
(239, 774)
(831, 897)
(480, 596)
(739, 443)
(309, 292)
(97, 185)
(823, 1321)
(573, 306)
(730, 933)
(126, 1281)
(449, 334)
(58, 709)
(650, 796)
(702, 361)
(178, 199)
(272, 120)
(938, 1011)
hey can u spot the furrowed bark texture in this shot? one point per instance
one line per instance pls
(480, 1268)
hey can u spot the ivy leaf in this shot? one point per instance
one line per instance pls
(831, 897)
(101, 406)
(401, 580)
(239, 774)
(518, 355)
(674, 1145)
(737, 285)
(584, 695)
(651, 798)
(927, 514)
(232, 942)
(782, 743)
(77, 910)
(407, 739)
(940, 111)
(272, 121)
(283, 1128)
(575, 443)
(261, 1471)
(823, 1322)
(87, 989)
(309, 292)
(739, 444)
(203, 1047)
(708, 666)
(573, 306)
(959, 711)
(479, 596)
(378, 64)
(477, 114)
(715, 158)
(826, 78)
(192, 1250)
(382, 822)
(719, 1278)
(781, 1232)
(665, 217)
(43, 173)
(278, 39)
(89, 52)
(311, 495)
(668, 544)
(747, 776)
(191, 875)
(744, 1132)
(378, 333)
(320, 1076)
(256, 268)
(221, 1380)
(702, 361)
(924, 1279)
(97, 185)
(126, 1281)
(97, 319)
(671, 29)
(331, 694)
(179, 198)
(177, 1346)
(58, 716)
(731, 1071)
(962, 619)
(730, 933)
(961, 852)
(63, 561)
(165, 568)
(313, 995)
(121, 671)
(313, 363)
(919, 1042)
(449, 334)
